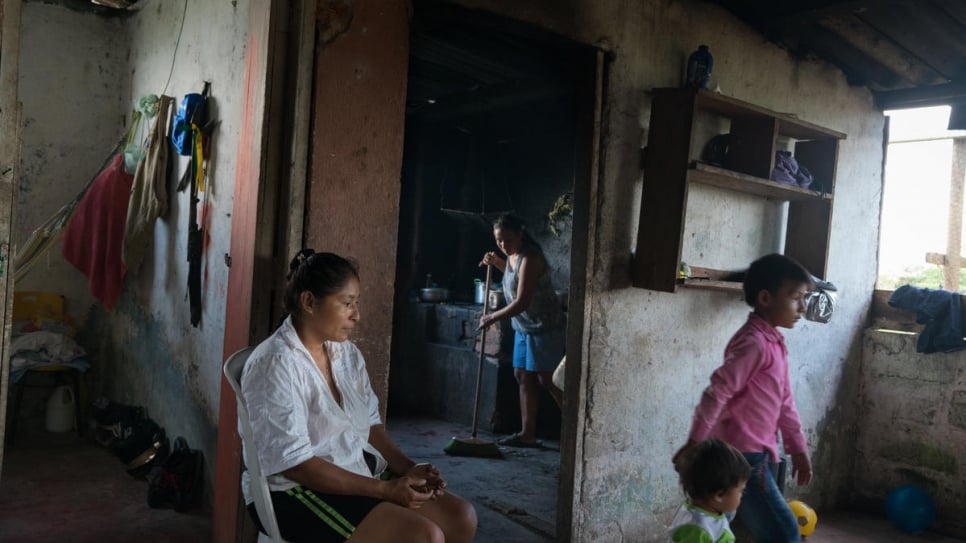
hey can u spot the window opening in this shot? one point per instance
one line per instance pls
(921, 235)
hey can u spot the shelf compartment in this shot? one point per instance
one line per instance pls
(788, 125)
(712, 279)
(710, 284)
(707, 174)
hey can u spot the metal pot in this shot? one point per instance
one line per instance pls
(496, 299)
(435, 294)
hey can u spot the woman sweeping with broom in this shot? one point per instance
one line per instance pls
(316, 424)
(538, 321)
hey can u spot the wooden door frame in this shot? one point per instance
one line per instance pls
(259, 187)
(10, 125)
(583, 257)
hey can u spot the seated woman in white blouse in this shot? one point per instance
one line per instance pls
(317, 427)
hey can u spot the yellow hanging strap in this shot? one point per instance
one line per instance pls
(199, 156)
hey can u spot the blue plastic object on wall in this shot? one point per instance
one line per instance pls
(700, 64)
(910, 509)
(192, 111)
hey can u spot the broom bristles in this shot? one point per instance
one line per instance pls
(472, 447)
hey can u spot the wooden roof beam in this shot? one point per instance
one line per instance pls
(934, 95)
(910, 68)
(860, 68)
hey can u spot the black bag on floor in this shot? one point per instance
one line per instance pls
(178, 482)
(137, 441)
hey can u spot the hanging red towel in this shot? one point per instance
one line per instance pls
(95, 235)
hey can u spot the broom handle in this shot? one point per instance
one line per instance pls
(479, 371)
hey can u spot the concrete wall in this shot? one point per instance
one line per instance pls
(913, 431)
(159, 359)
(651, 353)
(353, 207)
(81, 75)
(74, 87)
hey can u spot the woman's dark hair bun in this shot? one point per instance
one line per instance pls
(300, 258)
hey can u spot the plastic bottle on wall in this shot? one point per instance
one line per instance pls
(700, 64)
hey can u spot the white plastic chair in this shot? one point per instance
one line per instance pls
(258, 484)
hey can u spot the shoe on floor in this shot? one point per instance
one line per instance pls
(516, 440)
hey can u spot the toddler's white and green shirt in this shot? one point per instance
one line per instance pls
(695, 525)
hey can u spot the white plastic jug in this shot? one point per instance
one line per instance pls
(60, 410)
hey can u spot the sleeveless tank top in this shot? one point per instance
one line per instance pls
(544, 312)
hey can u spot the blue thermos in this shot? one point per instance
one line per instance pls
(700, 64)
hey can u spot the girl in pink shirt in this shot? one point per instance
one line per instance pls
(749, 400)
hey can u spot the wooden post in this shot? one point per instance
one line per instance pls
(954, 236)
(9, 174)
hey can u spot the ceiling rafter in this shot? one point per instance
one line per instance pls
(882, 48)
(893, 47)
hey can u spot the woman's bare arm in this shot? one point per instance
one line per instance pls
(399, 463)
(531, 267)
(492, 259)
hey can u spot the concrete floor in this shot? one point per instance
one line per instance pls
(515, 497)
(58, 488)
(61, 488)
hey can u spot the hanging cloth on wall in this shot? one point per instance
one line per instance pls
(198, 128)
(940, 311)
(149, 191)
(47, 234)
(133, 152)
(95, 234)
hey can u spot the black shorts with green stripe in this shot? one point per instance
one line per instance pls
(305, 515)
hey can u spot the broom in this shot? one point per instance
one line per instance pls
(472, 446)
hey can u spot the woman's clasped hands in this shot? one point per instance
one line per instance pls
(422, 483)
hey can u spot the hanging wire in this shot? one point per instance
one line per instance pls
(177, 44)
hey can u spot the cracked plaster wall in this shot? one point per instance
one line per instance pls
(73, 85)
(913, 431)
(80, 77)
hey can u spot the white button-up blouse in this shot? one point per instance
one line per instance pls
(294, 415)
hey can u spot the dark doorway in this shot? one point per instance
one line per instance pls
(490, 128)
(499, 118)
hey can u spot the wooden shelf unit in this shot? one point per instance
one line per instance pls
(670, 169)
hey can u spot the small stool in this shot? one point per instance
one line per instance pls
(59, 373)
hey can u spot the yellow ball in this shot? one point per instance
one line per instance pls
(807, 519)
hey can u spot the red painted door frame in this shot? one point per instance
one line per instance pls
(250, 173)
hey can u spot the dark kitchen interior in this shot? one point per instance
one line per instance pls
(490, 129)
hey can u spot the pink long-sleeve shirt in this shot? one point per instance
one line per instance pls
(750, 397)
